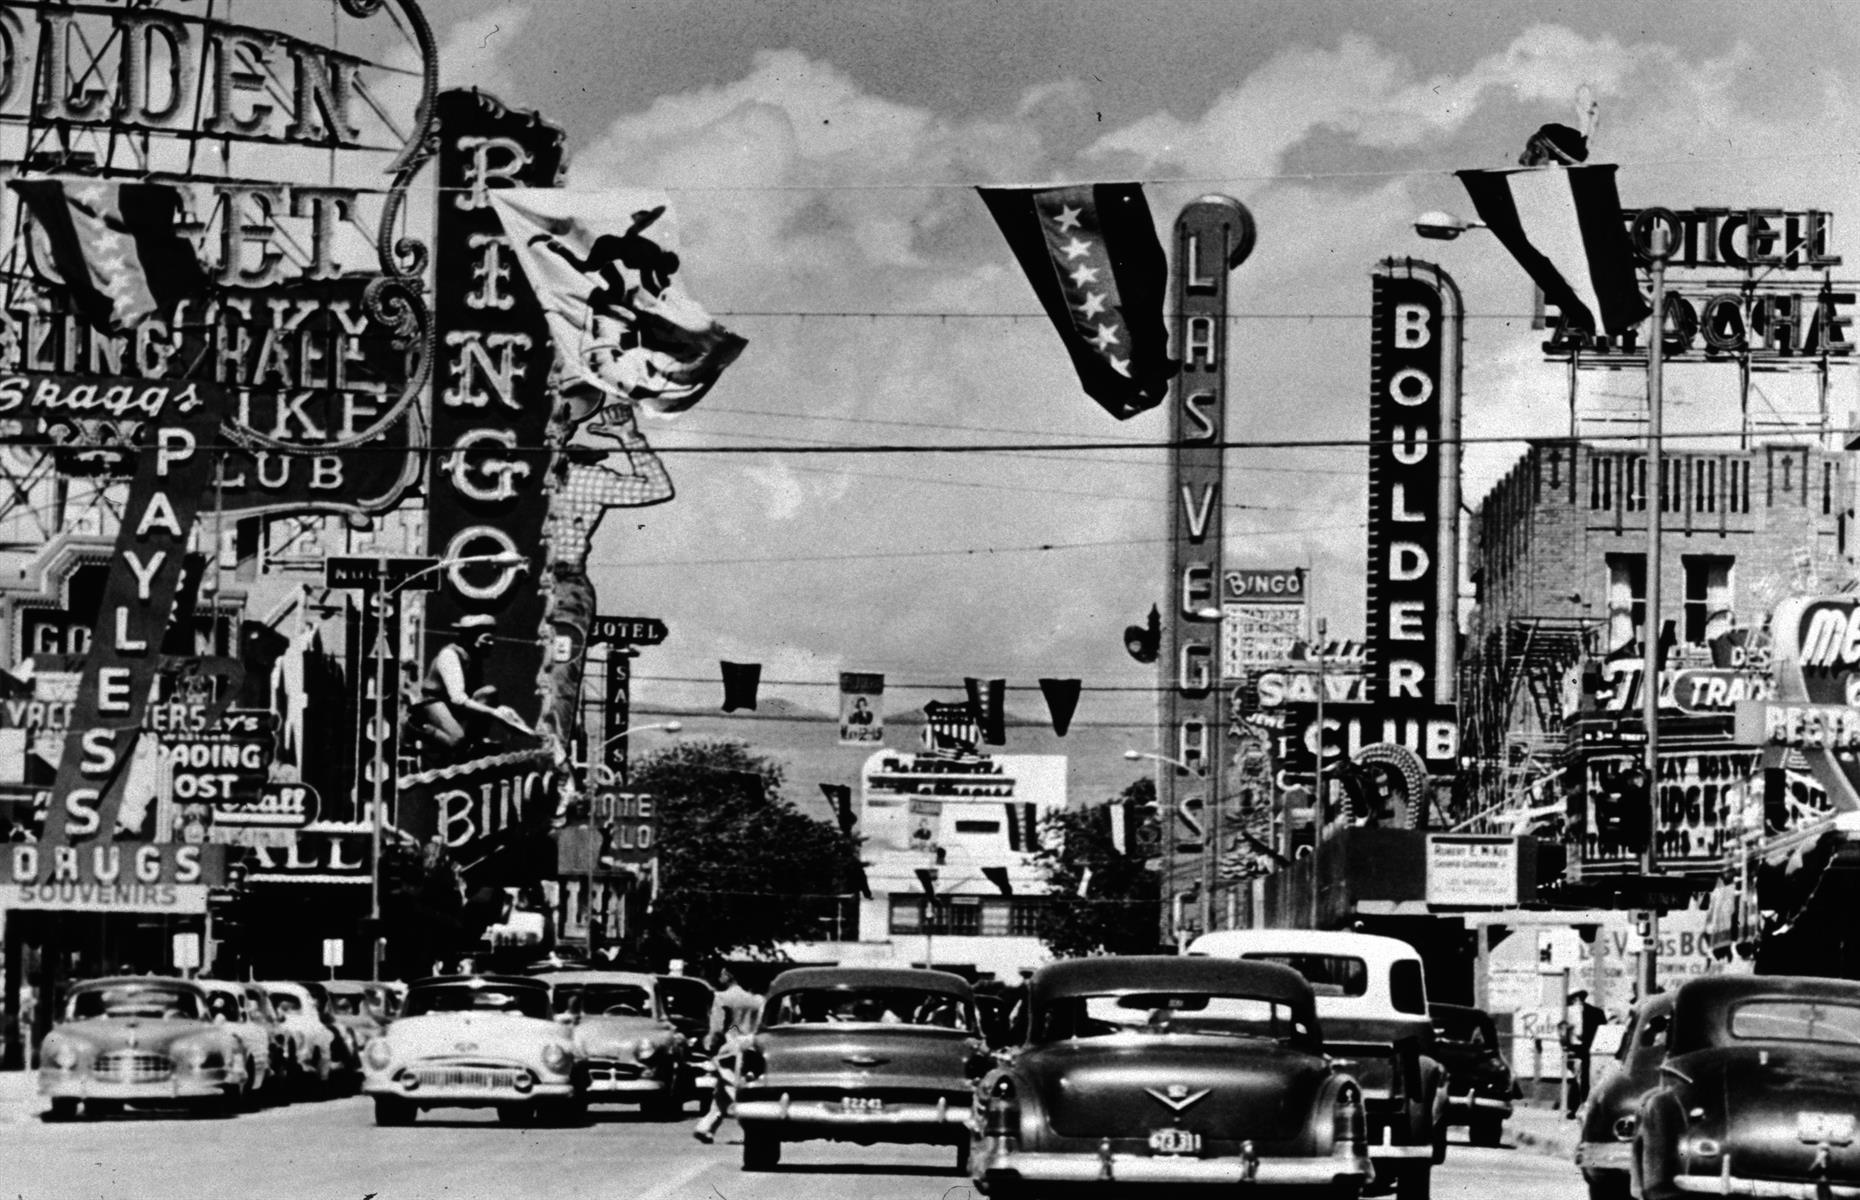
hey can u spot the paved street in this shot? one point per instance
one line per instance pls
(332, 1149)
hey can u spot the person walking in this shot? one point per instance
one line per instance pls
(733, 1021)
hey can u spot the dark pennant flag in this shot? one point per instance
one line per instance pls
(1091, 253)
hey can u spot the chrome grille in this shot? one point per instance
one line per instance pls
(466, 1077)
(612, 1070)
(133, 1066)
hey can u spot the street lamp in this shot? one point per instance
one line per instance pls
(510, 560)
(1208, 805)
(668, 726)
(1443, 226)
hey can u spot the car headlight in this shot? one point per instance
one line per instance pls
(195, 1056)
(556, 1059)
(378, 1054)
(60, 1054)
(646, 1048)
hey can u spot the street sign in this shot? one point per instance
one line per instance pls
(332, 952)
(372, 572)
(627, 631)
(186, 951)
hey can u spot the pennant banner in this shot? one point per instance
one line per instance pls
(1062, 700)
(113, 246)
(740, 683)
(862, 708)
(1564, 226)
(986, 697)
(604, 265)
(1092, 255)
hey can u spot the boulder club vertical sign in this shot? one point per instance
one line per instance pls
(490, 392)
(1213, 235)
(1411, 627)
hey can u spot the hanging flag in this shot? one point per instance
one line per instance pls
(839, 796)
(740, 681)
(999, 877)
(986, 697)
(862, 708)
(604, 266)
(1062, 700)
(1091, 253)
(1564, 226)
(113, 246)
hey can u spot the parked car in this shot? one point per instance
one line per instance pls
(1480, 1085)
(357, 1008)
(345, 1055)
(863, 1055)
(1145, 1072)
(229, 1005)
(1371, 996)
(1612, 1110)
(1756, 1095)
(314, 1039)
(476, 1041)
(635, 1033)
(141, 1040)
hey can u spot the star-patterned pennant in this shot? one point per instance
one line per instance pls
(114, 247)
(1092, 255)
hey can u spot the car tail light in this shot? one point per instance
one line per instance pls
(1001, 1119)
(1625, 1127)
(751, 1065)
(1347, 1122)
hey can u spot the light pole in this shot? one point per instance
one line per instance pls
(1205, 908)
(1318, 801)
(1658, 249)
(384, 718)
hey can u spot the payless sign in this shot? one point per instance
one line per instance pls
(1414, 401)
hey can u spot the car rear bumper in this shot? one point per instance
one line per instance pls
(1744, 1185)
(1001, 1163)
(632, 1089)
(789, 1114)
(1470, 1105)
(1604, 1156)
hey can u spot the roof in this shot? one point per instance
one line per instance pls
(637, 978)
(1233, 943)
(501, 981)
(869, 977)
(1153, 973)
(144, 980)
(1700, 1004)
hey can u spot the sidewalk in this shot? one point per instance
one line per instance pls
(1544, 1131)
(19, 1097)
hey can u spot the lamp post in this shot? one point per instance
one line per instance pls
(1318, 801)
(1206, 883)
(1658, 248)
(384, 718)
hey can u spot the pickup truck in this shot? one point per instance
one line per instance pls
(1372, 1008)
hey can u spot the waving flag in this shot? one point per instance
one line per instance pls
(604, 266)
(1564, 226)
(113, 246)
(1091, 253)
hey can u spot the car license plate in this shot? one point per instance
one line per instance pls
(861, 1104)
(1836, 1129)
(1175, 1141)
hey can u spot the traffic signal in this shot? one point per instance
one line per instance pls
(1622, 817)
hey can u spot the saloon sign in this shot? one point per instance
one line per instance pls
(1816, 710)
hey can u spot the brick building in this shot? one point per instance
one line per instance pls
(1557, 558)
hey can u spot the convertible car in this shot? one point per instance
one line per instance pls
(1613, 1109)
(142, 1040)
(635, 1033)
(475, 1041)
(860, 1054)
(1170, 1071)
(1480, 1086)
(1756, 1094)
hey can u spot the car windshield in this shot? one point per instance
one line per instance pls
(151, 1000)
(869, 1006)
(1466, 1029)
(603, 999)
(286, 1004)
(456, 997)
(1328, 974)
(1791, 1020)
(347, 1004)
(1193, 1013)
(225, 1004)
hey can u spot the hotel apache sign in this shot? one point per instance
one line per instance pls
(1752, 283)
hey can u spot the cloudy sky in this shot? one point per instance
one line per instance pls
(821, 158)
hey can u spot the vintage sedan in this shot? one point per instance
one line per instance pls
(230, 1006)
(1756, 1094)
(1480, 1086)
(863, 1055)
(356, 1010)
(635, 1033)
(318, 1058)
(141, 1040)
(1612, 1111)
(476, 1041)
(1147, 1072)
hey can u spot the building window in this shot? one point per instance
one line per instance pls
(1627, 598)
(1024, 917)
(1634, 488)
(1827, 488)
(1708, 596)
(978, 827)
(1705, 485)
(1601, 483)
(1737, 486)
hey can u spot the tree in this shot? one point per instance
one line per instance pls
(740, 868)
(1099, 901)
